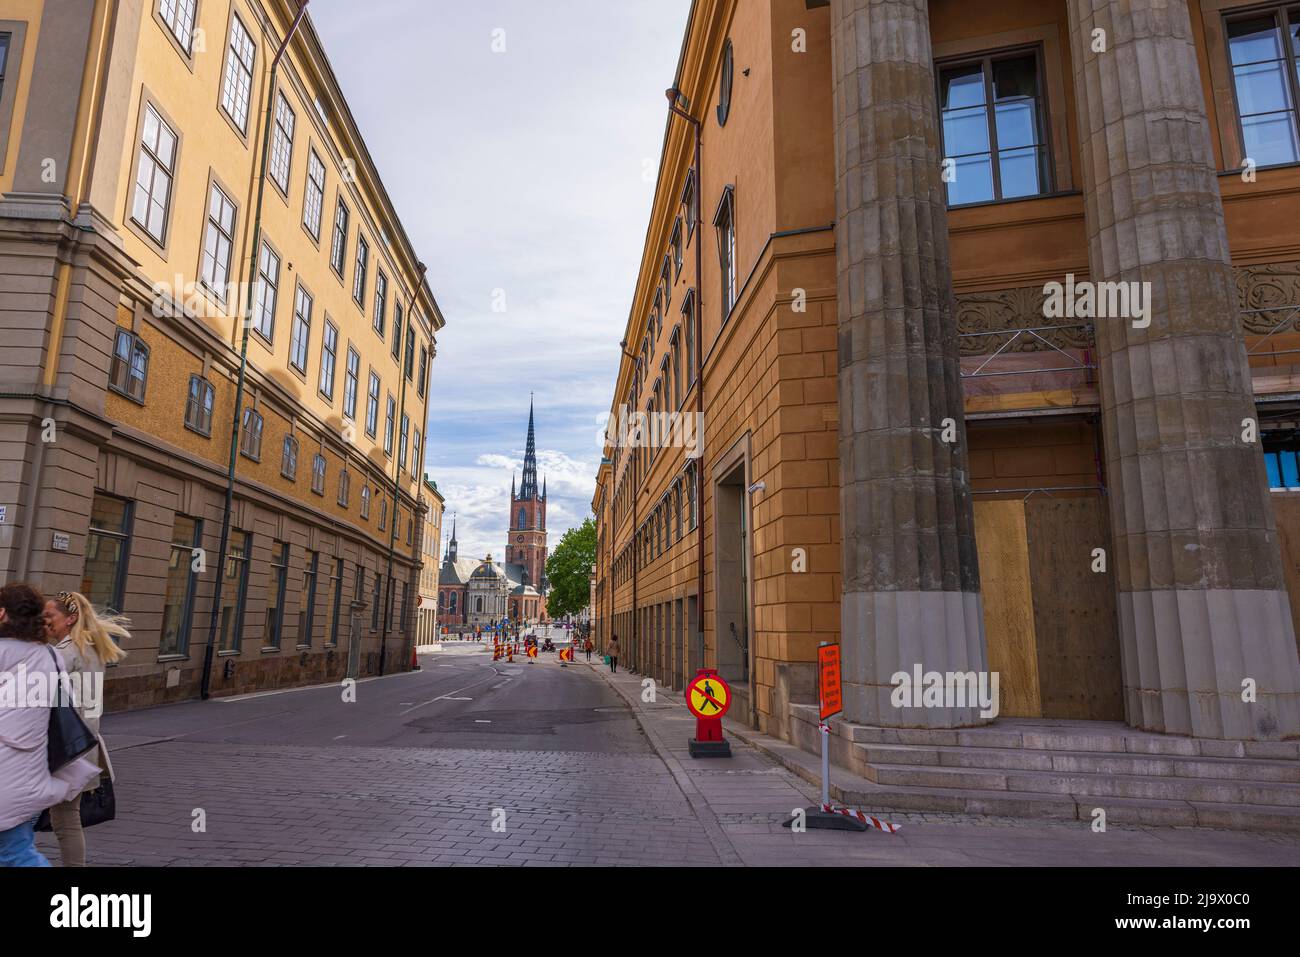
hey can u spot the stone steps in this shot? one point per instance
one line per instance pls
(1062, 770)
(1084, 762)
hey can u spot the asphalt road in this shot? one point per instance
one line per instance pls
(460, 699)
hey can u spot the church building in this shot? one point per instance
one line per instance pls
(473, 593)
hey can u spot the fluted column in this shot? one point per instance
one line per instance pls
(911, 579)
(1202, 599)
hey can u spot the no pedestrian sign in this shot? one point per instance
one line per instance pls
(828, 662)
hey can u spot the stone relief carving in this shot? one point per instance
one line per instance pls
(1273, 287)
(1007, 310)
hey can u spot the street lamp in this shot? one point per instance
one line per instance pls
(236, 419)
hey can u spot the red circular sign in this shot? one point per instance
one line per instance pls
(708, 696)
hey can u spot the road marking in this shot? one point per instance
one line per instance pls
(460, 699)
(340, 737)
(451, 695)
(481, 721)
(233, 699)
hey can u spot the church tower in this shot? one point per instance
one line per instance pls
(451, 547)
(526, 540)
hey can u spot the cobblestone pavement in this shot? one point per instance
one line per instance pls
(419, 770)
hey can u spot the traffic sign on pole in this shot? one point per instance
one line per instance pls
(831, 700)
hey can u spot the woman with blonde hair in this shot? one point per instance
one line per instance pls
(87, 641)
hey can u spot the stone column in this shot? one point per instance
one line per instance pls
(1202, 600)
(911, 577)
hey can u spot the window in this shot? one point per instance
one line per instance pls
(372, 406)
(421, 384)
(318, 474)
(238, 82)
(1264, 51)
(300, 339)
(339, 243)
(4, 59)
(374, 604)
(725, 221)
(234, 591)
(130, 366)
(307, 599)
(359, 281)
(417, 463)
(178, 598)
(677, 510)
(155, 167)
(992, 127)
(282, 142)
(250, 435)
(406, 434)
(1282, 461)
(690, 497)
(397, 331)
(289, 458)
(676, 373)
(314, 195)
(198, 406)
(410, 352)
(689, 204)
(677, 247)
(336, 600)
(103, 578)
(365, 503)
(345, 487)
(725, 84)
(351, 380)
(268, 281)
(329, 355)
(666, 277)
(389, 416)
(274, 623)
(520, 523)
(217, 241)
(179, 17)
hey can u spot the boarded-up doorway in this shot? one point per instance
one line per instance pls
(1050, 620)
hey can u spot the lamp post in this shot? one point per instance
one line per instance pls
(674, 96)
(205, 683)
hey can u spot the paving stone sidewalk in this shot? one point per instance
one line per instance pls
(748, 796)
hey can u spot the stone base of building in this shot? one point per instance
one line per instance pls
(1064, 770)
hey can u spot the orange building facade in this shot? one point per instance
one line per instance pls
(735, 557)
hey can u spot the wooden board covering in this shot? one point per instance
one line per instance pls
(1008, 605)
(1074, 609)
(1286, 509)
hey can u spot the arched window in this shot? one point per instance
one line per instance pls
(521, 519)
(453, 603)
(478, 605)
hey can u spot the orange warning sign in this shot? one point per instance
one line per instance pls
(828, 669)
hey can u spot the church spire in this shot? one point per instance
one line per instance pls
(451, 548)
(543, 486)
(529, 488)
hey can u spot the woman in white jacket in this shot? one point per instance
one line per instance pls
(26, 785)
(86, 641)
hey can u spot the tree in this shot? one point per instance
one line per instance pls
(569, 570)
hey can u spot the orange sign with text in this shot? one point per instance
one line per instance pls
(828, 668)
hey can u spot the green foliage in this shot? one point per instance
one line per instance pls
(569, 570)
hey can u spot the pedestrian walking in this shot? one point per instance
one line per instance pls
(612, 650)
(26, 785)
(87, 642)
(589, 647)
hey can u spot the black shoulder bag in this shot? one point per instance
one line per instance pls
(70, 738)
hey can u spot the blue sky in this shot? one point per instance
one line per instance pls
(529, 172)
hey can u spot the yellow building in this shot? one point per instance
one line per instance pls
(905, 447)
(430, 550)
(131, 136)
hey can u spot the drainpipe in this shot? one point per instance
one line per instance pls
(205, 683)
(397, 466)
(674, 97)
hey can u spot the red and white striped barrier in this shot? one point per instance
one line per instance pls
(866, 819)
